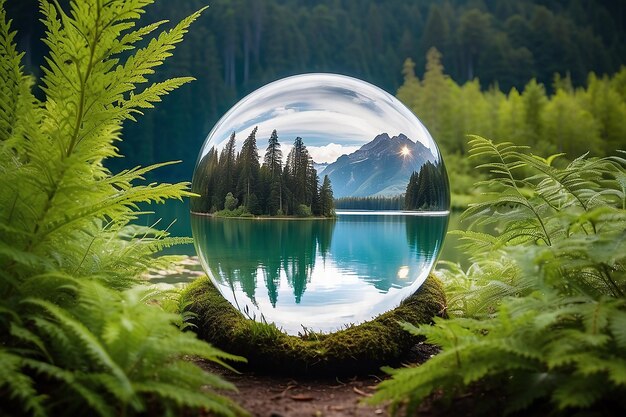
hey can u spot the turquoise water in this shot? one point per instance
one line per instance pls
(315, 273)
(177, 214)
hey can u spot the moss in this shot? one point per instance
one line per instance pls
(356, 349)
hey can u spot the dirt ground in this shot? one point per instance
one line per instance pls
(269, 396)
(283, 396)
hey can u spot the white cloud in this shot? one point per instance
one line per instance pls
(329, 153)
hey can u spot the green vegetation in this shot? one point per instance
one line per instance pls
(570, 121)
(242, 45)
(424, 190)
(539, 320)
(269, 189)
(77, 336)
(370, 203)
(356, 349)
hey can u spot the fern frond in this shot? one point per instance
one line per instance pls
(539, 315)
(18, 385)
(89, 341)
(10, 77)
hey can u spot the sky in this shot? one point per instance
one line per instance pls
(333, 114)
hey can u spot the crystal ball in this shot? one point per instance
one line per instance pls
(322, 202)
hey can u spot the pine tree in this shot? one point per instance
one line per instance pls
(248, 163)
(314, 189)
(534, 101)
(327, 205)
(228, 169)
(272, 164)
(411, 191)
(298, 163)
(286, 199)
(409, 91)
(273, 156)
(205, 178)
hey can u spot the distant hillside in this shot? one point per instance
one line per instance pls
(377, 168)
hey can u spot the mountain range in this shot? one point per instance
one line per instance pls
(378, 168)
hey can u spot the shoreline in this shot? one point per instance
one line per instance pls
(264, 217)
(338, 213)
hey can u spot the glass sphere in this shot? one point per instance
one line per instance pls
(323, 202)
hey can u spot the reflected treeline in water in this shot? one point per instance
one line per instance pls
(375, 250)
(425, 234)
(387, 251)
(245, 250)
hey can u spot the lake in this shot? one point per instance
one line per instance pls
(178, 213)
(319, 274)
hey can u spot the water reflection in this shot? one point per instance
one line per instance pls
(321, 274)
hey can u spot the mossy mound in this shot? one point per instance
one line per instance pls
(354, 350)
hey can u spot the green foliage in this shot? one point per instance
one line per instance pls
(539, 317)
(370, 203)
(326, 200)
(240, 211)
(303, 211)
(421, 192)
(570, 121)
(225, 180)
(75, 337)
(241, 46)
(230, 202)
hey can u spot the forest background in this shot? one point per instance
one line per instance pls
(544, 73)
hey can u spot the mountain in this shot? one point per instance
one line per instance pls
(320, 167)
(378, 168)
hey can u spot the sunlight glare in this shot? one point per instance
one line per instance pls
(405, 151)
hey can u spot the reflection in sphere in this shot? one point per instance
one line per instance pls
(323, 202)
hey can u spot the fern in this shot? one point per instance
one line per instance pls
(539, 317)
(77, 334)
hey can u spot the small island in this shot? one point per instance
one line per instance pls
(236, 184)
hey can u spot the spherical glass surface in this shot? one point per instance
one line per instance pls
(323, 202)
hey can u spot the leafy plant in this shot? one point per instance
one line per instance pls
(539, 319)
(75, 336)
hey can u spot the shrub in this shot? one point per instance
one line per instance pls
(230, 202)
(303, 211)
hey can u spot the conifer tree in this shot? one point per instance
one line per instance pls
(327, 205)
(273, 156)
(286, 200)
(227, 168)
(272, 164)
(314, 190)
(248, 163)
(298, 162)
(312, 187)
(409, 92)
(204, 183)
(411, 192)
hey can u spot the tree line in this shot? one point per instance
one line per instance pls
(427, 189)
(232, 183)
(370, 203)
(238, 46)
(571, 120)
